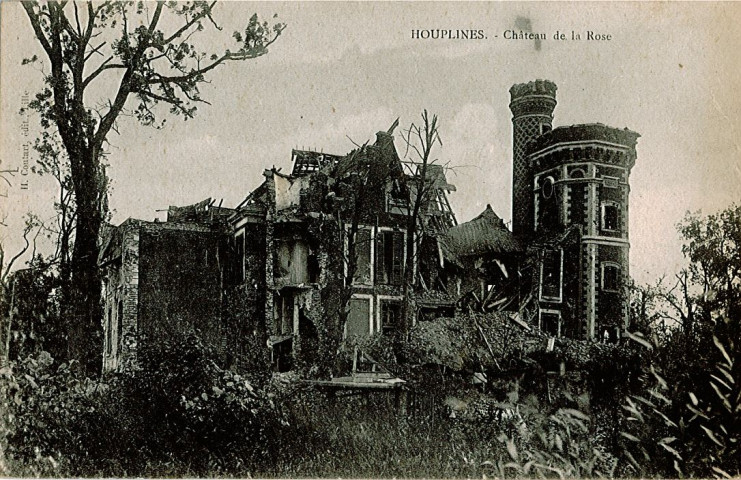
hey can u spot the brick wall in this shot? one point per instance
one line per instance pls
(180, 281)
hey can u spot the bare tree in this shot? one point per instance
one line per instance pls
(29, 239)
(420, 139)
(359, 178)
(89, 46)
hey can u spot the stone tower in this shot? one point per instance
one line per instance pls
(570, 196)
(532, 106)
(580, 180)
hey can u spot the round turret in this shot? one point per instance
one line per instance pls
(532, 106)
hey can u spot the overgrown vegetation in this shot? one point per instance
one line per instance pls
(178, 414)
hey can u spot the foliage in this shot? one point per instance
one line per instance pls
(35, 322)
(562, 446)
(179, 414)
(365, 437)
(684, 422)
(42, 405)
(707, 289)
(687, 419)
(713, 248)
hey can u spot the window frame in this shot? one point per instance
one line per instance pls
(546, 298)
(371, 255)
(379, 233)
(550, 182)
(280, 301)
(396, 299)
(109, 330)
(603, 216)
(550, 311)
(619, 276)
(240, 251)
(577, 174)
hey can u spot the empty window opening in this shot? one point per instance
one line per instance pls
(119, 327)
(390, 316)
(390, 258)
(551, 275)
(109, 330)
(396, 201)
(313, 267)
(282, 354)
(610, 217)
(430, 313)
(239, 260)
(610, 335)
(550, 323)
(611, 277)
(284, 307)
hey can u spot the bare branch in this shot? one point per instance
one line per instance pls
(29, 226)
(94, 50)
(77, 19)
(104, 66)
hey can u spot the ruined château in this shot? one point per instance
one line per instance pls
(366, 243)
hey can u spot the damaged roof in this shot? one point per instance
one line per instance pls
(484, 234)
(306, 161)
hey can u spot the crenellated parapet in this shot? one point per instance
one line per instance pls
(584, 143)
(533, 98)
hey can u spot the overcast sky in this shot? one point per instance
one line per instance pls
(344, 71)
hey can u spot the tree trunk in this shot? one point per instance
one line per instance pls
(83, 309)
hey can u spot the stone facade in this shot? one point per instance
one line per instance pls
(278, 271)
(295, 234)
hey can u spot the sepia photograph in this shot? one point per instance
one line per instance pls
(370, 239)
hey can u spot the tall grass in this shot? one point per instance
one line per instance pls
(364, 436)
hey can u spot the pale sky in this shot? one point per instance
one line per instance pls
(670, 72)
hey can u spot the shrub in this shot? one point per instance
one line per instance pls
(178, 414)
(212, 420)
(688, 420)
